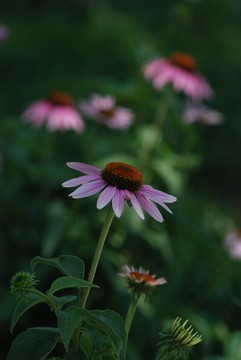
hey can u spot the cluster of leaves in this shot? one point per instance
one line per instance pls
(102, 331)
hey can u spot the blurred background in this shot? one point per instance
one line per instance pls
(85, 47)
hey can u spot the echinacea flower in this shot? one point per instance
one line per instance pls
(202, 114)
(180, 71)
(103, 110)
(233, 244)
(118, 182)
(58, 110)
(140, 281)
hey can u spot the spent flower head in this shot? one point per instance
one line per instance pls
(22, 283)
(118, 182)
(104, 110)
(58, 110)
(140, 281)
(178, 341)
(179, 70)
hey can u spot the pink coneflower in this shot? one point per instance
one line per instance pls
(104, 110)
(202, 114)
(233, 243)
(180, 71)
(58, 110)
(118, 182)
(140, 281)
(4, 32)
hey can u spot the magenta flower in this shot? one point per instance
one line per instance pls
(200, 113)
(233, 244)
(140, 281)
(103, 110)
(58, 110)
(118, 182)
(180, 71)
(4, 32)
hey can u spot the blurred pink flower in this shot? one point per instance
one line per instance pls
(200, 113)
(4, 32)
(141, 276)
(180, 71)
(58, 110)
(118, 182)
(104, 110)
(140, 281)
(233, 244)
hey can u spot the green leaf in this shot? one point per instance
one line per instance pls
(68, 282)
(23, 305)
(60, 302)
(86, 343)
(68, 320)
(111, 324)
(68, 264)
(34, 344)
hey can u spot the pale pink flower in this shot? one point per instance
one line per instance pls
(233, 244)
(180, 71)
(118, 182)
(141, 276)
(200, 113)
(4, 32)
(103, 110)
(57, 110)
(140, 281)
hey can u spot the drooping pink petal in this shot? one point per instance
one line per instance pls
(135, 203)
(118, 203)
(105, 197)
(80, 180)
(84, 168)
(157, 194)
(150, 207)
(88, 189)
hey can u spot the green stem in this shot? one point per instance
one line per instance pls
(98, 251)
(131, 313)
(159, 118)
(129, 317)
(46, 298)
(95, 262)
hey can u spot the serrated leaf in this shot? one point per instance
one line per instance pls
(34, 344)
(68, 320)
(65, 282)
(69, 265)
(22, 306)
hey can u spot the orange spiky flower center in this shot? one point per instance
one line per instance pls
(122, 176)
(60, 98)
(107, 112)
(184, 61)
(139, 276)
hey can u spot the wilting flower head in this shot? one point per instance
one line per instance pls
(180, 71)
(178, 341)
(118, 182)
(22, 282)
(104, 110)
(200, 113)
(140, 281)
(58, 110)
(233, 243)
